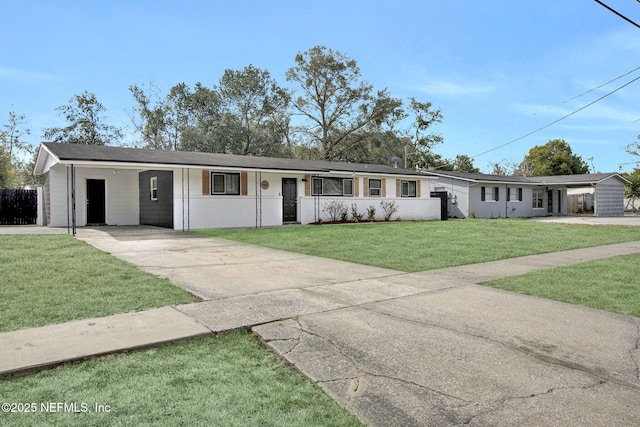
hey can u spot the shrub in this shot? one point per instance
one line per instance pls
(371, 213)
(355, 215)
(388, 209)
(335, 210)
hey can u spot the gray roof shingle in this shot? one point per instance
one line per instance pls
(80, 152)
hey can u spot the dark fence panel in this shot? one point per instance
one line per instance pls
(18, 207)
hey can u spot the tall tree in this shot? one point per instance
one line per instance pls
(86, 123)
(16, 153)
(151, 118)
(6, 170)
(553, 158)
(634, 149)
(260, 106)
(632, 191)
(422, 139)
(335, 102)
(464, 163)
(11, 137)
(503, 167)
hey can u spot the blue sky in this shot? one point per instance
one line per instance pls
(498, 70)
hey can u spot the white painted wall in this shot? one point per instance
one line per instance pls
(192, 209)
(121, 194)
(409, 208)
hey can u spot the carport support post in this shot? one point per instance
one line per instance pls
(73, 198)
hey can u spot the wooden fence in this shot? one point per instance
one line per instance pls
(18, 207)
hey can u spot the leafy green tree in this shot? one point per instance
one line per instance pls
(334, 101)
(464, 163)
(244, 114)
(6, 170)
(632, 191)
(503, 167)
(86, 123)
(553, 158)
(424, 116)
(151, 118)
(634, 149)
(17, 154)
(259, 105)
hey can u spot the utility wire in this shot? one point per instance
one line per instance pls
(602, 85)
(617, 13)
(558, 120)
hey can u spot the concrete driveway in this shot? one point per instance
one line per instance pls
(430, 348)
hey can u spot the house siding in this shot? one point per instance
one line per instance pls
(263, 206)
(156, 212)
(121, 194)
(609, 198)
(465, 199)
(46, 199)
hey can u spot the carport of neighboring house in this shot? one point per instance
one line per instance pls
(91, 185)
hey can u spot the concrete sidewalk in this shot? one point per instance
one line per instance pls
(428, 348)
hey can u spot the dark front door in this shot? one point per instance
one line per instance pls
(95, 202)
(289, 200)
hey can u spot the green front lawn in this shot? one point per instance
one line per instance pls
(420, 246)
(55, 278)
(226, 380)
(609, 284)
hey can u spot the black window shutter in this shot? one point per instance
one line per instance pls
(520, 194)
(482, 194)
(496, 193)
(508, 194)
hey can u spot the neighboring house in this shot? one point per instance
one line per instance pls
(87, 185)
(494, 196)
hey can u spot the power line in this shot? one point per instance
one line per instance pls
(617, 13)
(602, 85)
(558, 120)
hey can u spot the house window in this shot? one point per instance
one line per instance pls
(375, 187)
(537, 198)
(225, 183)
(514, 194)
(490, 194)
(332, 186)
(153, 187)
(408, 188)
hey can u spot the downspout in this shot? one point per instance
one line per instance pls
(188, 199)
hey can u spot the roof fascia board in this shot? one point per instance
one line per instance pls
(38, 166)
(168, 166)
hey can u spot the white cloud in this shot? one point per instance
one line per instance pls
(452, 89)
(621, 116)
(25, 76)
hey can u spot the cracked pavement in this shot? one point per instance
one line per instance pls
(414, 349)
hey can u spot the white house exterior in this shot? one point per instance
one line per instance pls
(495, 196)
(87, 185)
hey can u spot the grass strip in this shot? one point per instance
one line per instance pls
(49, 279)
(224, 380)
(609, 284)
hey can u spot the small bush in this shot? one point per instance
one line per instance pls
(388, 209)
(355, 215)
(371, 213)
(336, 211)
